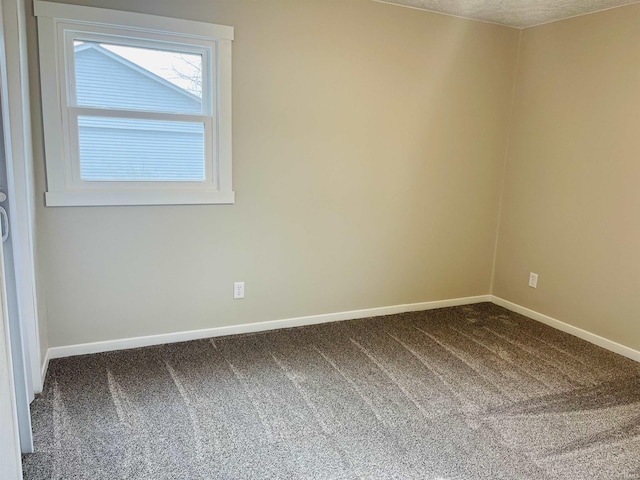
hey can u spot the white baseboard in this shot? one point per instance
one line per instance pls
(45, 367)
(136, 342)
(565, 327)
(126, 343)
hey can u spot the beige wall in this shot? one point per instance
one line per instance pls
(368, 150)
(571, 207)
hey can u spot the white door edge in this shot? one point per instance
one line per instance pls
(10, 458)
(21, 183)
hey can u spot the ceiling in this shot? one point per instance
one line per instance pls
(514, 13)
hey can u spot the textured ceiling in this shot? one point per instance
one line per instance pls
(515, 13)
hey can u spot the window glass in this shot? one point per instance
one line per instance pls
(134, 78)
(123, 149)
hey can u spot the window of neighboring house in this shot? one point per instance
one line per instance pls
(136, 108)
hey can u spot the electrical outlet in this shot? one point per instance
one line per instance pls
(533, 280)
(238, 290)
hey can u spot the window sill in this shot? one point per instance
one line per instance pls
(174, 197)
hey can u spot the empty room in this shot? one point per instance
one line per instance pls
(320, 239)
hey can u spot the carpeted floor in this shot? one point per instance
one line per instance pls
(471, 392)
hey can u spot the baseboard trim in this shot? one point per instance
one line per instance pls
(146, 341)
(45, 367)
(565, 327)
(161, 339)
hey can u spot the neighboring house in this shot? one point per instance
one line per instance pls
(115, 149)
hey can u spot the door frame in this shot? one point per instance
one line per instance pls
(10, 455)
(10, 459)
(21, 184)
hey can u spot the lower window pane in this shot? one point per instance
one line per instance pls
(118, 149)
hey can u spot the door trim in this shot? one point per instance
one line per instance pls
(21, 183)
(10, 459)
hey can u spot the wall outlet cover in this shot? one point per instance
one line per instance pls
(238, 290)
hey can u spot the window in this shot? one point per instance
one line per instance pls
(136, 108)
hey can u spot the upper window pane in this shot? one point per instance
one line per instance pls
(135, 78)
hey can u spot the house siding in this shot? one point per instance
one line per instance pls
(102, 81)
(120, 149)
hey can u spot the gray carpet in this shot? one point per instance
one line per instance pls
(471, 392)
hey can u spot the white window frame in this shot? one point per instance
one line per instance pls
(58, 26)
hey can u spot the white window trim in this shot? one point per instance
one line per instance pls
(62, 188)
